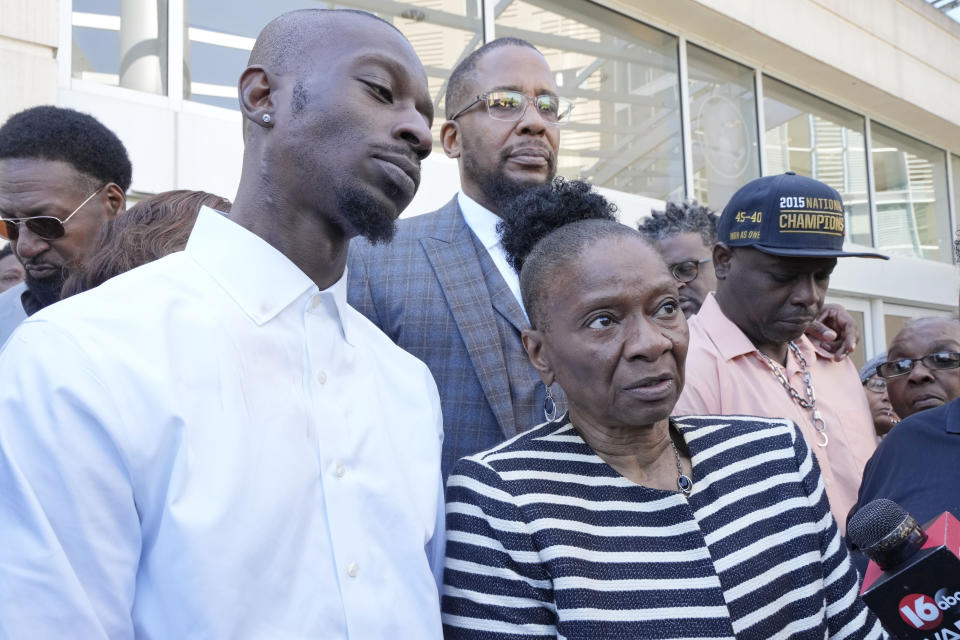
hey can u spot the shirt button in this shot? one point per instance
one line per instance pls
(353, 569)
(340, 470)
(826, 482)
(322, 377)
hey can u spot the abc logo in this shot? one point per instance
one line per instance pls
(920, 611)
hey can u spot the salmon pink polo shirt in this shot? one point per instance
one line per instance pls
(725, 375)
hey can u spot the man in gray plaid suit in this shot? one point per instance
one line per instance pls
(442, 289)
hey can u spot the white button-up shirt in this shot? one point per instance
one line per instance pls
(211, 447)
(483, 223)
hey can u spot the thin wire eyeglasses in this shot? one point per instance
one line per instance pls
(932, 361)
(876, 384)
(509, 106)
(46, 227)
(688, 270)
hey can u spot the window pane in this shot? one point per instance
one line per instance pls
(723, 125)
(911, 190)
(814, 138)
(955, 169)
(222, 32)
(121, 43)
(623, 77)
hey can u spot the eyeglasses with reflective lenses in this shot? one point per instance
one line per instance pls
(933, 361)
(510, 106)
(46, 227)
(688, 270)
(876, 384)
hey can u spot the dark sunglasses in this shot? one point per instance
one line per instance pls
(46, 227)
(688, 270)
(933, 361)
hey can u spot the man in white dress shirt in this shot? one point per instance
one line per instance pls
(215, 445)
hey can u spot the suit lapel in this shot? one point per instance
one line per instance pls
(454, 258)
(500, 294)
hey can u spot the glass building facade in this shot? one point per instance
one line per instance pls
(635, 129)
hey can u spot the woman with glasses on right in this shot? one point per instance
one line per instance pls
(916, 463)
(922, 369)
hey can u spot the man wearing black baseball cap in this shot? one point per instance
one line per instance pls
(779, 238)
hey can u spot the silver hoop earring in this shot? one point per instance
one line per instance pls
(549, 406)
(267, 119)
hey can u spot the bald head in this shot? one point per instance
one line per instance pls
(289, 43)
(279, 47)
(924, 387)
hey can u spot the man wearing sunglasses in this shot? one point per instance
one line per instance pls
(443, 289)
(63, 175)
(918, 464)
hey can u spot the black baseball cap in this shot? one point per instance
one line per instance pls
(787, 215)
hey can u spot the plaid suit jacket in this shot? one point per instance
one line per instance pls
(437, 293)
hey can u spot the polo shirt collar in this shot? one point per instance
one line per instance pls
(259, 278)
(731, 341)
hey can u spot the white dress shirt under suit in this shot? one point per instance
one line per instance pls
(210, 447)
(483, 223)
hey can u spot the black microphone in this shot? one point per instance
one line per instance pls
(912, 583)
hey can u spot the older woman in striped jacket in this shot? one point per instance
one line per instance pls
(615, 521)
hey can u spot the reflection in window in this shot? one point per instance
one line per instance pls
(623, 78)
(220, 37)
(814, 138)
(723, 126)
(910, 183)
(121, 43)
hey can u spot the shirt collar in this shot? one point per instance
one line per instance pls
(481, 220)
(730, 340)
(260, 279)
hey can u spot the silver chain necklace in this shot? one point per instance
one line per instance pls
(810, 402)
(684, 483)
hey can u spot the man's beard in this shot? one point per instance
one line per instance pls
(46, 291)
(365, 215)
(496, 185)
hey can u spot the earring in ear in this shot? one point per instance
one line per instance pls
(267, 119)
(549, 406)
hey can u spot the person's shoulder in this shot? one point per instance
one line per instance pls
(131, 299)
(754, 432)
(909, 432)
(12, 295)
(528, 446)
(730, 424)
(408, 235)
(380, 343)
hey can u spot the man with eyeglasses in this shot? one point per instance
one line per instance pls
(917, 465)
(685, 233)
(63, 175)
(443, 289)
(779, 241)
